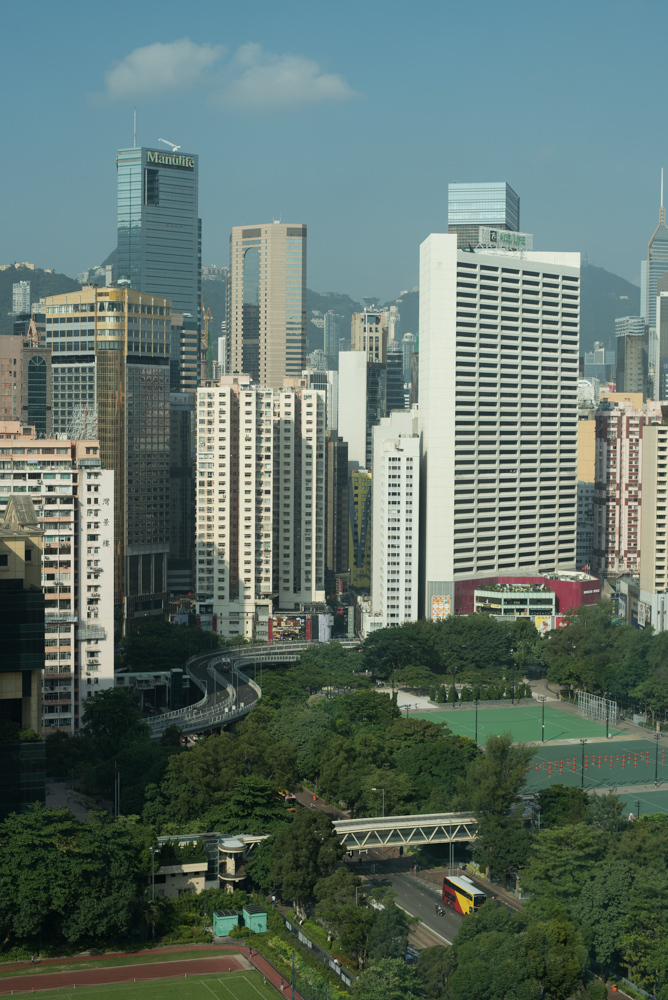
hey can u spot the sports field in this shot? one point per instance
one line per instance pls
(523, 721)
(228, 986)
(611, 764)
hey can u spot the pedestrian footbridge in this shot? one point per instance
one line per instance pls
(405, 831)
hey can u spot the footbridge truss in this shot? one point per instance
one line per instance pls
(405, 831)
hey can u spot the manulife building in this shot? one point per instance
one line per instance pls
(159, 232)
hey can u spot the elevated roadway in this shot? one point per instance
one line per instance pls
(228, 692)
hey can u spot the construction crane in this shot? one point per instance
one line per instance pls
(168, 143)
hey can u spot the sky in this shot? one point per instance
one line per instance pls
(350, 117)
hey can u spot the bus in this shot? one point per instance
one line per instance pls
(461, 894)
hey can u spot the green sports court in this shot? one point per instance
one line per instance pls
(524, 722)
(227, 986)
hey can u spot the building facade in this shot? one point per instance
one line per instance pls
(618, 496)
(489, 203)
(73, 500)
(22, 764)
(26, 381)
(369, 333)
(396, 521)
(498, 414)
(336, 521)
(260, 502)
(21, 298)
(266, 312)
(632, 365)
(159, 232)
(182, 499)
(111, 351)
(654, 564)
(359, 530)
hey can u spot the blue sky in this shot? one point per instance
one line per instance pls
(351, 117)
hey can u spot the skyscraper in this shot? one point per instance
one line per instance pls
(396, 520)
(111, 379)
(498, 414)
(489, 203)
(266, 322)
(368, 332)
(632, 370)
(657, 264)
(260, 502)
(619, 493)
(159, 232)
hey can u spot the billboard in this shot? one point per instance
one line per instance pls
(325, 623)
(289, 628)
(543, 623)
(505, 238)
(440, 607)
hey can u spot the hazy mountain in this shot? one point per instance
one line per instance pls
(42, 283)
(605, 296)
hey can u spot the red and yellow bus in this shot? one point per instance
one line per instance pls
(461, 894)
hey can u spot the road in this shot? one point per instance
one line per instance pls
(419, 899)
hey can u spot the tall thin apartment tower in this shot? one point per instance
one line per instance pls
(266, 312)
(498, 415)
(260, 502)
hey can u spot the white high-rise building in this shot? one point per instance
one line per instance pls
(396, 520)
(73, 498)
(498, 416)
(352, 404)
(21, 298)
(260, 502)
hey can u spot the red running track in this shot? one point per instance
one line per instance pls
(118, 974)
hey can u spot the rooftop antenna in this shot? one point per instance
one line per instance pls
(168, 143)
(135, 130)
(662, 211)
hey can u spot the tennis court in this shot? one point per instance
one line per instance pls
(606, 764)
(229, 986)
(524, 722)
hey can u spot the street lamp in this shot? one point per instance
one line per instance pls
(542, 738)
(383, 791)
(476, 721)
(153, 850)
(582, 765)
(657, 737)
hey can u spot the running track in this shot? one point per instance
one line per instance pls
(128, 973)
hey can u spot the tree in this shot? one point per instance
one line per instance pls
(304, 852)
(646, 930)
(387, 979)
(653, 691)
(561, 805)
(490, 790)
(65, 880)
(600, 907)
(562, 860)
(111, 717)
(388, 937)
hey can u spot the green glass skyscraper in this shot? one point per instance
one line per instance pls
(159, 232)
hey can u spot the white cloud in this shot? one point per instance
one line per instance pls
(259, 81)
(160, 68)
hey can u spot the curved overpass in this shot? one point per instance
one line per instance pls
(227, 692)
